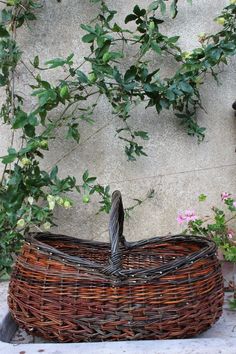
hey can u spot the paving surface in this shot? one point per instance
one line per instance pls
(186, 346)
(223, 332)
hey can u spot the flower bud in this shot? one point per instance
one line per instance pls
(106, 57)
(187, 55)
(220, 21)
(51, 201)
(202, 37)
(20, 223)
(67, 204)
(86, 199)
(43, 144)
(60, 201)
(30, 200)
(92, 77)
(202, 34)
(25, 161)
(64, 91)
(152, 25)
(47, 225)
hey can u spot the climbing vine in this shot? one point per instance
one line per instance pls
(29, 194)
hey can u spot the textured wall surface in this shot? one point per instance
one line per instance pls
(177, 167)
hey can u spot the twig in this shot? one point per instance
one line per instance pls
(28, 69)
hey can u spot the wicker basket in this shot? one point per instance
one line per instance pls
(71, 290)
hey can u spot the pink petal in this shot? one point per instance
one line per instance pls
(181, 219)
(225, 195)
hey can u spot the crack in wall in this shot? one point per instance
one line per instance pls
(161, 175)
(82, 143)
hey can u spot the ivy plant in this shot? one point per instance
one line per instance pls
(28, 193)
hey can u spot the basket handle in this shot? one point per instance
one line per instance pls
(116, 232)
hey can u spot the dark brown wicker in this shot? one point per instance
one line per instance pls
(71, 290)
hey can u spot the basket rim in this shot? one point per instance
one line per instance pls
(208, 248)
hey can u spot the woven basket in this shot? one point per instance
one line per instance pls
(71, 290)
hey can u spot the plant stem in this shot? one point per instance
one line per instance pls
(28, 69)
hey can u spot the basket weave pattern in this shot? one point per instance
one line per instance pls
(71, 290)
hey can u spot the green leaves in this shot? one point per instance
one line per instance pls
(155, 5)
(138, 202)
(97, 33)
(142, 134)
(12, 155)
(173, 9)
(57, 62)
(81, 76)
(88, 179)
(36, 61)
(107, 56)
(12, 2)
(155, 47)
(185, 87)
(215, 226)
(133, 149)
(64, 91)
(54, 63)
(230, 255)
(88, 38)
(104, 192)
(73, 132)
(20, 120)
(47, 94)
(3, 31)
(137, 14)
(87, 186)
(130, 17)
(53, 173)
(202, 197)
(76, 95)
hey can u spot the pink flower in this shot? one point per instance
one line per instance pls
(234, 204)
(230, 234)
(225, 196)
(181, 219)
(190, 215)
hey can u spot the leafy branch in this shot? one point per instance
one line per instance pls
(29, 194)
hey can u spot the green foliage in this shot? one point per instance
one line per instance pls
(28, 193)
(232, 304)
(55, 63)
(138, 202)
(202, 197)
(217, 226)
(138, 83)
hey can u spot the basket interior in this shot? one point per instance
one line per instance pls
(150, 255)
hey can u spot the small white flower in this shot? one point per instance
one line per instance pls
(20, 223)
(51, 201)
(30, 200)
(47, 225)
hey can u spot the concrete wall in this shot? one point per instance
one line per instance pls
(176, 167)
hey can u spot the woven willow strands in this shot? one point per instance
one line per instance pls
(71, 290)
